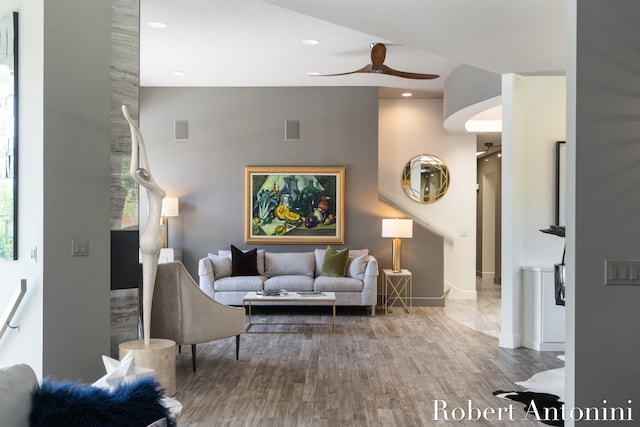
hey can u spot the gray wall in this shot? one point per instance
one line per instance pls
(468, 85)
(603, 150)
(76, 156)
(230, 128)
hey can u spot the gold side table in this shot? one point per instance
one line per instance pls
(397, 288)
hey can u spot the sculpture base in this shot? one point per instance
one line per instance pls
(159, 355)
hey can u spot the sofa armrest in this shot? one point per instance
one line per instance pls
(17, 384)
(206, 277)
(372, 266)
(370, 283)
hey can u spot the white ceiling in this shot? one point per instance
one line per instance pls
(259, 43)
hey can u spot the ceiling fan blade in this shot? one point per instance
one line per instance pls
(365, 69)
(390, 71)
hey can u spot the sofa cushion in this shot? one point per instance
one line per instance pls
(260, 258)
(244, 263)
(335, 262)
(221, 266)
(356, 266)
(337, 284)
(239, 283)
(293, 263)
(319, 257)
(16, 385)
(291, 283)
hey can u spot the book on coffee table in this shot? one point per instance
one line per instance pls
(272, 293)
(309, 293)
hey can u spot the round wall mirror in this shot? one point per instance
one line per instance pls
(425, 179)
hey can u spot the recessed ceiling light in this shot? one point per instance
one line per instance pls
(157, 24)
(407, 94)
(310, 42)
(179, 73)
(313, 73)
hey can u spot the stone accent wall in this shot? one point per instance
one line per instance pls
(125, 81)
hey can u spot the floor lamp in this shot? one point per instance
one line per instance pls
(397, 229)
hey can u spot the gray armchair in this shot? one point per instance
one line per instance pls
(183, 313)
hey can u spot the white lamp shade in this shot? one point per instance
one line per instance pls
(170, 206)
(402, 228)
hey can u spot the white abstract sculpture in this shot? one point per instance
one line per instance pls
(120, 371)
(152, 237)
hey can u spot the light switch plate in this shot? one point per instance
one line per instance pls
(622, 272)
(79, 247)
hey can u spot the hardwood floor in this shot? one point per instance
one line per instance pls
(482, 314)
(375, 371)
(385, 370)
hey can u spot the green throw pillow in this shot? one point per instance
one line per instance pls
(335, 262)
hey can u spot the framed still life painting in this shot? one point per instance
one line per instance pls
(294, 204)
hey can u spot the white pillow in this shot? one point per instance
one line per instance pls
(358, 252)
(16, 385)
(356, 266)
(221, 266)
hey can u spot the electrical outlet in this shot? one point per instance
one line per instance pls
(622, 272)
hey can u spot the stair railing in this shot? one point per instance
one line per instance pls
(7, 316)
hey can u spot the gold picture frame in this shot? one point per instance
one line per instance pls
(298, 204)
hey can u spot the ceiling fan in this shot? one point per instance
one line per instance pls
(489, 149)
(378, 53)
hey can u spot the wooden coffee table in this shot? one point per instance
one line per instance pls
(324, 298)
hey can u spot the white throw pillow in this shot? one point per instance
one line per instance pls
(358, 252)
(356, 266)
(16, 385)
(221, 266)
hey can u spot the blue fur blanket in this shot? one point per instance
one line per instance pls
(69, 404)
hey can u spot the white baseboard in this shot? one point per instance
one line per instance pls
(510, 341)
(543, 346)
(456, 293)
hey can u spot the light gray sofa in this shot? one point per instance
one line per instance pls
(17, 383)
(291, 271)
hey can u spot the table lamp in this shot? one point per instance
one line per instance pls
(397, 228)
(169, 208)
